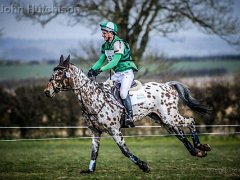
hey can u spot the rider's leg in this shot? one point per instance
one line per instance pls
(129, 114)
(115, 77)
(126, 82)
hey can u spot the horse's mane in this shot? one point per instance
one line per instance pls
(101, 86)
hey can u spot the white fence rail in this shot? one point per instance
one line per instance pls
(130, 136)
(85, 127)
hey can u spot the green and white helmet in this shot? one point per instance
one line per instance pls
(110, 27)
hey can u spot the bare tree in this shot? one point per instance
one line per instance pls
(137, 19)
(87, 52)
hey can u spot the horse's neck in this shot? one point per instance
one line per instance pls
(86, 90)
(90, 94)
(80, 80)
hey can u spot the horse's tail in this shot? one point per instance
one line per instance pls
(192, 103)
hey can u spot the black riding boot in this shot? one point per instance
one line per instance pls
(129, 114)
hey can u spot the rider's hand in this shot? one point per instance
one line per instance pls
(90, 73)
(97, 72)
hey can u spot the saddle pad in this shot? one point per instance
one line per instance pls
(138, 96)
(136, 86)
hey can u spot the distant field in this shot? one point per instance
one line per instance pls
(25, 71)
(229, 65)
(167, 157)
(44, 70)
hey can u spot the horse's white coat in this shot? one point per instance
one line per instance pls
(103, 114)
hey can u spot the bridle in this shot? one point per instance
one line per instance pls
(70, 88)
(65, 76)
(57, 89)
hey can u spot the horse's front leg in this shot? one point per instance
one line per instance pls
(118, 138)
(96, 135)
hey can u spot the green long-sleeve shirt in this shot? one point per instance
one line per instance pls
(118, 55)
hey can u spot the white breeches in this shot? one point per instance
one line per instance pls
(125, 79)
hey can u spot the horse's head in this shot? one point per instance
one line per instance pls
(60, 79)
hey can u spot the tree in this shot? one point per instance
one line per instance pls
(26, 111)
(137, 19)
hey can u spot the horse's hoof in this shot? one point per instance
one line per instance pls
(87, 171)
(201, 153)
(204, 147)
(144, 166)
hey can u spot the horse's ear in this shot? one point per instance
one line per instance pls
(68, 58)
(61, 59)
(67, 62)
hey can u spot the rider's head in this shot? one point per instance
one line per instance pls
(109, 29)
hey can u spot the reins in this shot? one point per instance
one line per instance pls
(83, 106)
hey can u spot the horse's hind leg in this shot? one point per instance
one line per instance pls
(196, 141)
(118, 138)
(190, 123)
(179, 120)
(181, 136)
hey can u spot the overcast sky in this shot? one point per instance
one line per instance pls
(189, 42)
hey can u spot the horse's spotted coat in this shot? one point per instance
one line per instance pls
(103, 113)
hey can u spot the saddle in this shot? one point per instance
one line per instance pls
(115, 90)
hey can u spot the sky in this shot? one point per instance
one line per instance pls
(26, 29)
(190, 42)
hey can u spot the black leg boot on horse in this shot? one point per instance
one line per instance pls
(129, 113)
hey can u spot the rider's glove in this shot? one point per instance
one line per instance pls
(92, 72)
(97, 72)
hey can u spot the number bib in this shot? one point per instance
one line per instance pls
(109, 54)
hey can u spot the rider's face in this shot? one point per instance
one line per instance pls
(107, 36)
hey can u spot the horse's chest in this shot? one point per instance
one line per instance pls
(94, 123)
(104, 120)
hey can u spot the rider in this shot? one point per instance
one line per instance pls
(118, 54)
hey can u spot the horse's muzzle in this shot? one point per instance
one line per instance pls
(49, 92)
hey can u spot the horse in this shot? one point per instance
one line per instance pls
(103, 114)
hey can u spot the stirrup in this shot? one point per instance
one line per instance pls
(129, 122)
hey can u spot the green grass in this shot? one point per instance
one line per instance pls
(45, 70)
(25, 71)
(167, 157)
(229, 65)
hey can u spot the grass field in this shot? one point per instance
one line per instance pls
(229, 65)
(168, 159)
(45, 70)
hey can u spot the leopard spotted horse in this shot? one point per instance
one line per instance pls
(103, 113)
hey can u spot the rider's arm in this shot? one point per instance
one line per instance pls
(113, 63)
(119, 51)
(99, 63)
